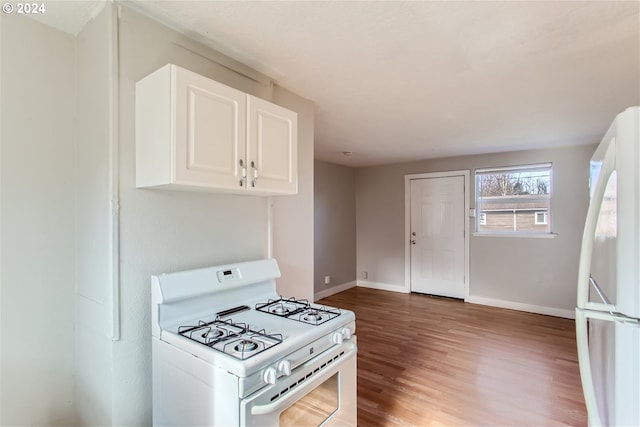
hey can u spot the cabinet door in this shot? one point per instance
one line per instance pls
(272, 147)
(209, 132)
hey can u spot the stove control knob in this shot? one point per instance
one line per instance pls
(346, 333)
(336, 338)
(269, 375)
(284, 367)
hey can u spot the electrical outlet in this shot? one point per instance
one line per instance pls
(365, 275)
(327, 280)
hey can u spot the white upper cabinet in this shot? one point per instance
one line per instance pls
(272, 149)
(194, 133)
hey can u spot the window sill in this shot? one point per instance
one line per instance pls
(520, 235)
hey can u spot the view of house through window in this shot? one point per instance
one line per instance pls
(514, 199)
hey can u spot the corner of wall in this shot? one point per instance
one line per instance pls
(292, 219)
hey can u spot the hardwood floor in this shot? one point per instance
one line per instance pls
(434, 361)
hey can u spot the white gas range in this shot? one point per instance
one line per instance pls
(229, 351)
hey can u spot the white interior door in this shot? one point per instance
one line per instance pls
(437, 236)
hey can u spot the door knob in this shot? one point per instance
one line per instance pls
(413, 242)
(413, 234)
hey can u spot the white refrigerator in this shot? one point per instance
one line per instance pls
(608, 306)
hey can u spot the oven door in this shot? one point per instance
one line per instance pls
(322, 391)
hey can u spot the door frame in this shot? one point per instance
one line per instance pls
(407, 222)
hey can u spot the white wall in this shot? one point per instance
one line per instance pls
(56, 210)
(532, 274)
(334, 227)
(162, 231)
(292, 216)
(94, 323)
(37, 214)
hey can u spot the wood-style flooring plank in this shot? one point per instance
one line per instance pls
(429, 361)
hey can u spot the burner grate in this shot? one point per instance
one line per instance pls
(299, 310)
(232, 338)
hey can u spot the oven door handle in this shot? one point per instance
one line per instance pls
(281, 404)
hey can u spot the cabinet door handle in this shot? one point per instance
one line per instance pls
(255, 173)
(243, 173)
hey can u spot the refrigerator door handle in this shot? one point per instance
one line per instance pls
(584, 359)
(584, 362)
(605, 306)
(599, 291)
(609, 317)
(627, 321)
(586, 252)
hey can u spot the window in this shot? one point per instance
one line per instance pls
(541, 218)
(514, 200)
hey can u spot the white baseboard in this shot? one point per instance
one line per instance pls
(530, 308)
(382, 286)
(549, 311)
(334, 290)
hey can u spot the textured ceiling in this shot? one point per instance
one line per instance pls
(69, 16)
(395, 81)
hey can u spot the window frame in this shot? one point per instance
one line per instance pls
(515, 233)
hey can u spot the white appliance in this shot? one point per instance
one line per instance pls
(229, 351)
(608, 307)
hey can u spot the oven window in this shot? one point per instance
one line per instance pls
(315, 407)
